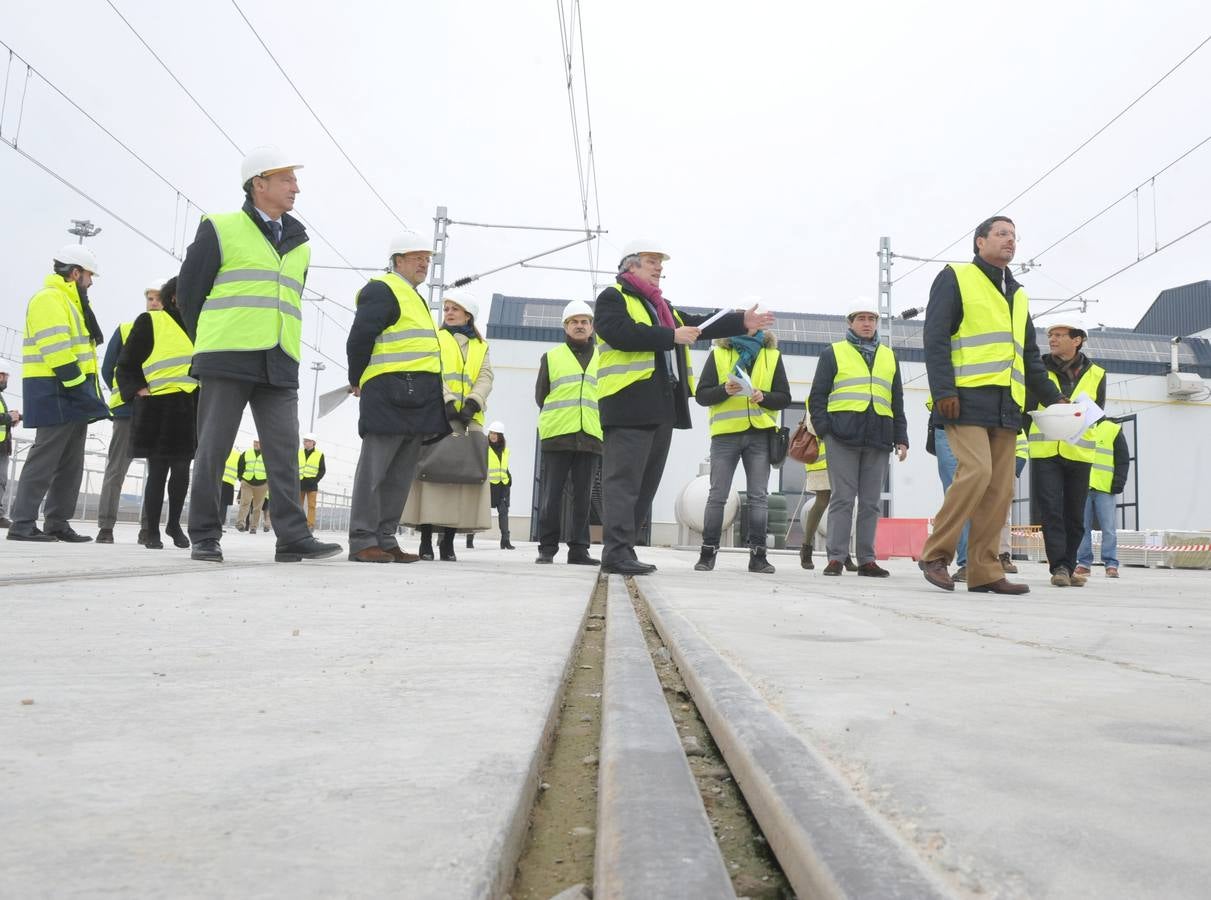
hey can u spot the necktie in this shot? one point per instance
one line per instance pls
(276, 229)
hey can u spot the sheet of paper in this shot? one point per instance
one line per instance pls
(1090, 412)
(330, 400)
(715, 318)
(740, 377)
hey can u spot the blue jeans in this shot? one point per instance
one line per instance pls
(946, 471)
(1103, 504)
(752, 448)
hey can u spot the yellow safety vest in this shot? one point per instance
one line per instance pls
(309, 463)
(987, 349)
(498, 466)
(410, 344)
(856, 386)
(821, 460)
(622, 368)
(1080, 450)
(571, 403)
(459, 374)
(256, 301)
(231, 468)
(254, 466)
(1022, 451)
(737, 412)
(56, 335)
(115, 395)
(1101, 473)
(167, 368)
(3, 424)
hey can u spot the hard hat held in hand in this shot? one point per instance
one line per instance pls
(265, 161)
(466, 300)
(1061, 421)
(78, 255)
(409, 242)
(576, 308)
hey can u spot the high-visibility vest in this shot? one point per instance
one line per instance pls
(987, 349)
(56, 335)
(498, 466)
(231, 471)
(1080, 450)
(309, 463)
(1022, 450)
(167, 368)
(571, 403)
(821, 460)
(115, 395)
(3, 424)
(459, 374)
(1101, 473)
(257, 299)
(857, 386)
(737, 412)
(254, 466)
(410, 344)
(622, 368)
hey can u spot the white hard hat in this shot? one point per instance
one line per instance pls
(577, 308)
(1069, 321)
(265, 161)
(862, 305)
(409, 242)
(644, 245)
(309, 436)
(498, 426)
(78, 255)
(465, 299)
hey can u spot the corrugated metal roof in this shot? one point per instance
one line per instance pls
(1179, 311)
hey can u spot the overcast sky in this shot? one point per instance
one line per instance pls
(768, 145)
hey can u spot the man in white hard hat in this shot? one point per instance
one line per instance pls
(644, 381)
(117, 459)
(569, 427)
(240, 291)
(311, 472)
(8, 419)
(980, 355)
(1059, 470)
(857, 403)
(395, 371)
(62, 396)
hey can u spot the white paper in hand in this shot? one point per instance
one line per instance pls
(713, 319)
(740, 377)
(330, 400)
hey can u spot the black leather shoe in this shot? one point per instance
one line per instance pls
(544, 559)
(583, 559)
(68, 535)
(35, 535)
(834, 567)
(178, 536)
(873, 570)
(505, 545)
(849, 564)
(207, 550)
(153, 542)
(448, 556)
(306, 548)
(626, 567)
(105, 536)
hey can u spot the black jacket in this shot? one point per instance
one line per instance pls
(991, 406)
(202, 262)
(711, 392)
(6, 445)
(577, 441)
(657, 400)
(855, 429)
(108, 365)
(396, 402)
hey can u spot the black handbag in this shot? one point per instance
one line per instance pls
(779, 440)
(461, 457)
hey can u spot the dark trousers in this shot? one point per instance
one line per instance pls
(174, 472)
(1060, 486)
(556, 466)
(632, 466)
(53, 470)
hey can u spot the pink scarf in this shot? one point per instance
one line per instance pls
(651, 293)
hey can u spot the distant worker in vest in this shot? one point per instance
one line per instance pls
(500, 481)
(744, 385)
(153, 371)
(394, 363)
(467, 382)
(231, 478)
(980, 355)
(62, 397)
(311, 473)
(8, 418)
(1059, 470)
(1107, 478)
(857, 404)
(254, 488)
(569, 427)
(816, 481)
(644, 382)
(240, 291)
(117, 460)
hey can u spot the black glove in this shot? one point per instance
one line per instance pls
(452, 412)
(470, 408)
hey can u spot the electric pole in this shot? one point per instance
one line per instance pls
(316, 367)
(83, 228)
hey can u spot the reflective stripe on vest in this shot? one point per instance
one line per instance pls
(622, 368)
(821, 460)
(254, 466)
(231, 472)
(459, 373)
(309, 463)
(571, 403)
(55, 334)
(256, 300)
(1080, 449)
(987, 349)
(410, 344)
(115, 395)
(1101, 473)
(167, 368)
(857, 386)
(737, 412)
(1022, 449)
(498, 466)
(3, 425)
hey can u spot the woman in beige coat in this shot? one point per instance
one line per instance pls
(456, 507)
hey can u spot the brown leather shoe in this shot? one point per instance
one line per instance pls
(1007, 565)
(935, 571)
(834, 567)
(1112, 571)
(873, 570)
(1000, 586)
(1081, 570)
(402, 556)
(372, 555)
